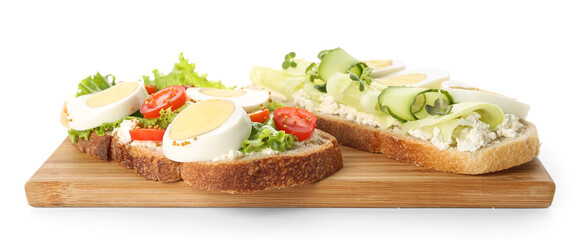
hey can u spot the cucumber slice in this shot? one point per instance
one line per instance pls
(279, 81)
(429, 98)
(312, 91)
(346, 91)
(490, 114)
(408, 103)
(336, 60)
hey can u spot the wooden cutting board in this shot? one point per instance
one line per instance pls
(70, 178)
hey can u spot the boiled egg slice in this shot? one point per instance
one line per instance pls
(92, 110)
(249, 99)
(205, 130)
(426, 78)
(462, 92)
(382, 68)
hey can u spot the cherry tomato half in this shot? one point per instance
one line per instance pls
(147, 134)
(260, 115)
(150, 89)
(173, 96)
(296, 121)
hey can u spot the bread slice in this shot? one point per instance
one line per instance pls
(307, 162)
(502, 154)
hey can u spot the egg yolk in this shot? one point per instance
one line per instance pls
(201, 118)
(112, 94)
(222, 92)
(475, 89)
(379, 64)
(404, 79)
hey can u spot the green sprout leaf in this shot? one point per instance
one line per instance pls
(311, 70)
(364, 78)
(289, 61)
(354, 77)
(440, 107)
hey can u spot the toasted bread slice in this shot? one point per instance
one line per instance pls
(501, 154)
(305, 163)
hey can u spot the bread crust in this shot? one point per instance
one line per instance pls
(504, 154)
(287, 169)
(98, 146)
(154, 166)
(278, 171)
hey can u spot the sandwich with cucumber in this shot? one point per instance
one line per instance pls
(418, 116)
(181, 126)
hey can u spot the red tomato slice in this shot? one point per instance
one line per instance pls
(296, 121)
(260, 115)
(147, 134)
(150, 89)
(173, 96)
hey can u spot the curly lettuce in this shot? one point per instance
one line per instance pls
(75, 135)
(94, 84)
(182, 74)
(166, 117)
(265, 136)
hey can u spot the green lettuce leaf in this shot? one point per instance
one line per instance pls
(274, 105)
(166, 117)
(75, 135)
(182, 74)
(265, 136)
(94, 84)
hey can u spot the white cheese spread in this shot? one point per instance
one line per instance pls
(236, 154)
(474, 133)
(510, 126)
(149, 144)
(229, 156)
(471, 133)
(123, 132)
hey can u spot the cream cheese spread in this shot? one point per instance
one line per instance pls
(471, 133)
(123, 131)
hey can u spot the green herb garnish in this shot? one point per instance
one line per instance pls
(440, 107)
(289, 61)
(364, 78)
(311, 69)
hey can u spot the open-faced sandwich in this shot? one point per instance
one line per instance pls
(181, 126)
(415, 116)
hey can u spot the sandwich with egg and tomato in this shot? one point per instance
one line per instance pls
(181, 126)
(416, 116)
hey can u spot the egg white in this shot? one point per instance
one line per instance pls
(462, 92)
(433, 79)
(379, 72)
(81, 116)
(253, 100)
(205, 147)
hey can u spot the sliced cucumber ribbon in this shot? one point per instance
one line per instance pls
(408, 103)
(490, 114)
(278, 81)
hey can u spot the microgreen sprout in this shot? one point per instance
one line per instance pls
(289, 61)
(311, 69)
(440, 107)
(365, 78)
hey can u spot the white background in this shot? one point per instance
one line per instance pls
(524, 49)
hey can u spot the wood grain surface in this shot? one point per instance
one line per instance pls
(70, 178)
